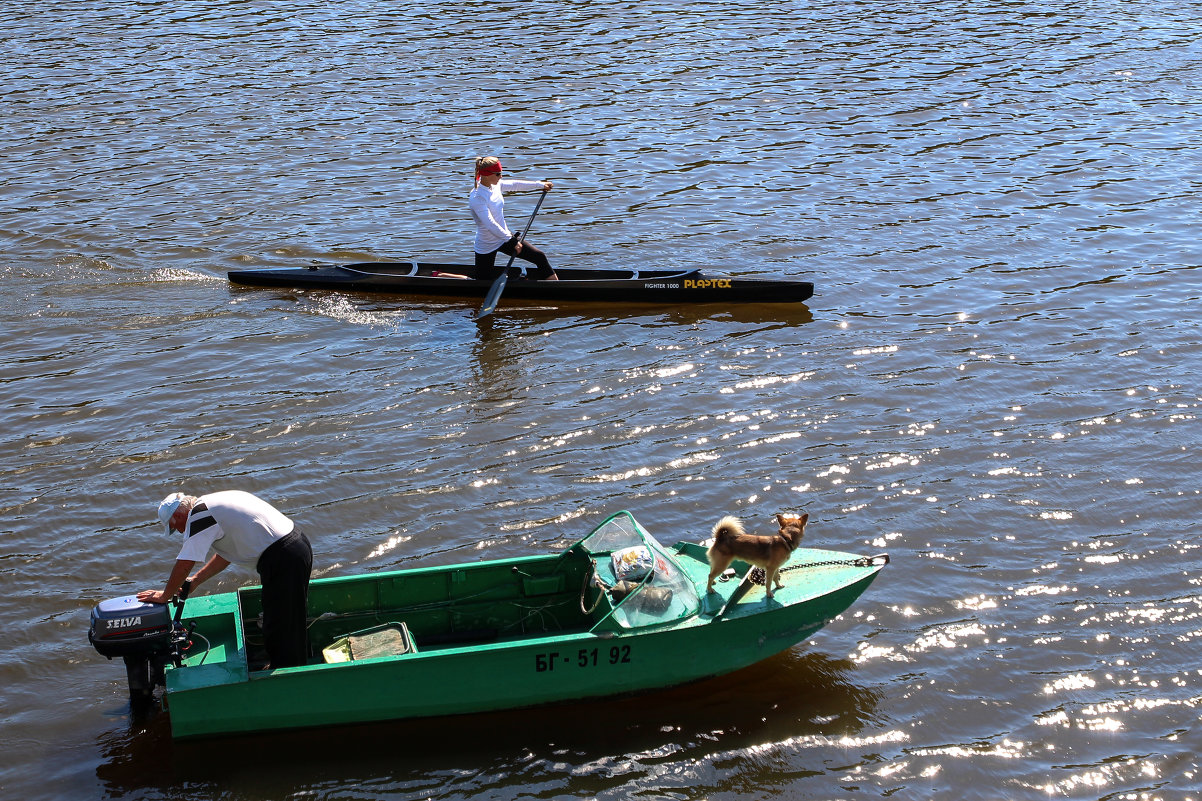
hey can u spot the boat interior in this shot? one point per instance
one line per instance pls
(432, 609)
(616, 579)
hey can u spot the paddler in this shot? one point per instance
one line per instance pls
(492, 234)
(248, 531)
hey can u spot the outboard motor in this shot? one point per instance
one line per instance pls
(145, 635)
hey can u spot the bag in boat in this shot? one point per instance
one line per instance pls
(652, 600)
(633, 564)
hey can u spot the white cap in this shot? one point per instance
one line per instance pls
(167, 508)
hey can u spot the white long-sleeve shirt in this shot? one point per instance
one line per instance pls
(488, 210)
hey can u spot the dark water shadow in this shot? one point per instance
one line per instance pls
(782, 699)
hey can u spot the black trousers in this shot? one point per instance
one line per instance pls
(488, 270)
(285, 568)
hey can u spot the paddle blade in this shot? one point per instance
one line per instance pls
(494, 295)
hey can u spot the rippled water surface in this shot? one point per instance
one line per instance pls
(997, 381)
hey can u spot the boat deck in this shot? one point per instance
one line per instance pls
(480, 604)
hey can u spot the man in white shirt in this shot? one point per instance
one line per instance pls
(242, 529)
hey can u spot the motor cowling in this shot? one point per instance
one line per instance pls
(128, 627)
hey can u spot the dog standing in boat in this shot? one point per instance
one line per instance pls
(768, 552)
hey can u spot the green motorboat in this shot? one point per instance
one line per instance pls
(615, 613)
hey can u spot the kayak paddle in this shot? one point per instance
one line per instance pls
(498, 286)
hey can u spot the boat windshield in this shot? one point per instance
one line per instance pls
(646, 583)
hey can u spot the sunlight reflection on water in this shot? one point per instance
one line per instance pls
(996, 381)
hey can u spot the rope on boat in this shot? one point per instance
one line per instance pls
(584, 590)
(601, 585)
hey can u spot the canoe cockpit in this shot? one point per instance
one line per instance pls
(431, 270)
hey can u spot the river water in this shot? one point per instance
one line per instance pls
(997, 381)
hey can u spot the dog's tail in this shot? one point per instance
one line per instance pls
(729, 526)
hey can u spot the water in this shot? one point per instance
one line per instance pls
(997, 381)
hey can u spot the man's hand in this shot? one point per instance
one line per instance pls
(152, 597)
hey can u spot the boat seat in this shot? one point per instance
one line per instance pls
(389, 639)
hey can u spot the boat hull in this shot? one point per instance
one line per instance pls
(611, 286)
(214, 693)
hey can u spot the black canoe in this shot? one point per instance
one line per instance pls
(411, 278)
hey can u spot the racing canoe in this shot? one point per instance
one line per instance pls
(502, 634)
(446, 280)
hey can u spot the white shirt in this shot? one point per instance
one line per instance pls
(235, 524)
(488, 210)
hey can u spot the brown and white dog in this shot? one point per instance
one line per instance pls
(768, 552)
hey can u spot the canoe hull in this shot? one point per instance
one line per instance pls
(626, 286)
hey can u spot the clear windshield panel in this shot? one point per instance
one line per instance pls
(625, 552)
